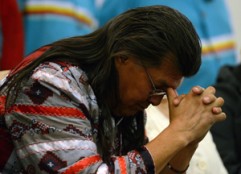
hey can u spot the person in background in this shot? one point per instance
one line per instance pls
(108, 9)
(50, 20)
(11, 35)
(77, 105)
(212, 22)
(206, 159)
(227, 135)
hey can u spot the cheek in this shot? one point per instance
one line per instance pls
(132, 90)
(132, 97)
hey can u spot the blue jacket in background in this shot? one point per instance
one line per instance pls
(46, 21)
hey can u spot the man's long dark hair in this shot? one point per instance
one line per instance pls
(146, 33)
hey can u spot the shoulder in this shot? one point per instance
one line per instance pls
(60, 74)
(62, 77)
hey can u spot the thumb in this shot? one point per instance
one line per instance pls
(171, 96)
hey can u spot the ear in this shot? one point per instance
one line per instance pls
(122, 59)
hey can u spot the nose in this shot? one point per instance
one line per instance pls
(156, 99)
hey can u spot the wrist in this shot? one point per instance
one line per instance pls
(176, 171)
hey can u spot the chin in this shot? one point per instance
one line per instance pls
(126, 113)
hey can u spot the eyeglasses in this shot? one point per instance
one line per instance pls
(155, 91)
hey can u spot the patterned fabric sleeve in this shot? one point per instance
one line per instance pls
(51, 129)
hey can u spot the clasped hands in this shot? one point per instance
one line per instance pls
(196, 111)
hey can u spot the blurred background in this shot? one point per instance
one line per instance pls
(235, 11)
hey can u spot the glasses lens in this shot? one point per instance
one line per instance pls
(155, 92)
